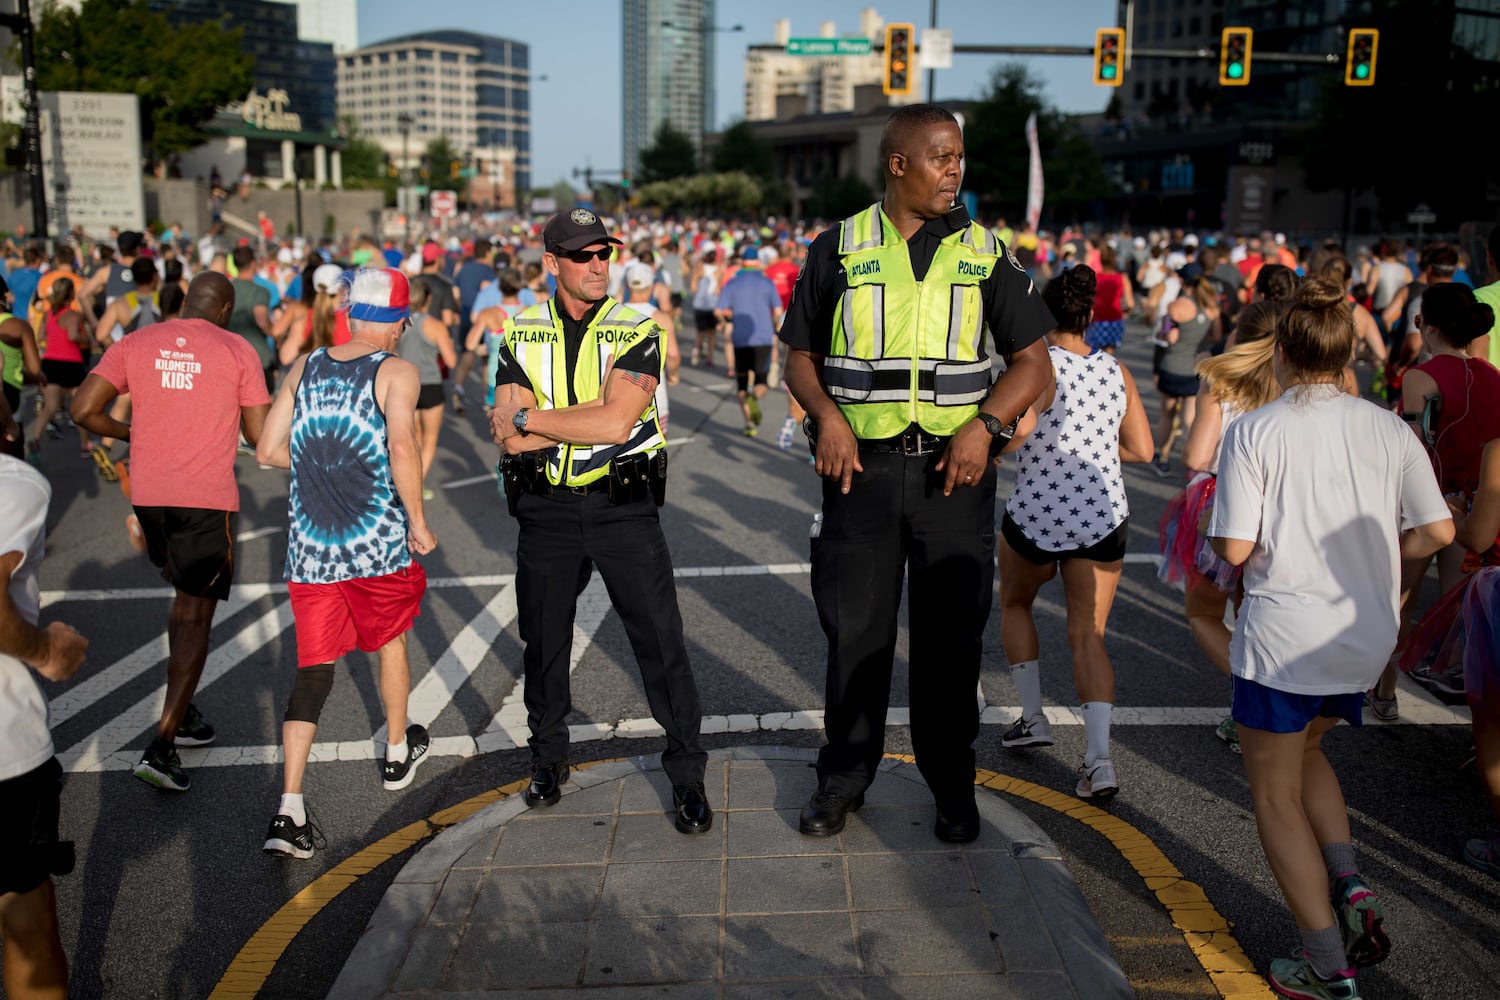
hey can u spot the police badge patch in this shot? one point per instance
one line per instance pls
(1013, 262)
(583, 217)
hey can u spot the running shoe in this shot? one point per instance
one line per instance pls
(1294, 977)
(427, 493)
(34, 452)
(1098, 781)
(106, 464)
(122, 470)
(1360, 916)
(160, 766)
(397, 774)
(753, 405)
(1162, 468)
(1384, 709)
(749, 431)
(193, 731)
(290, 840)
(1028, 732)
(1447, 682)
(1484, 855)
(1229, 733)
(784, 436)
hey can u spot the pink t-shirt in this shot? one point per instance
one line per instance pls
(187, 381)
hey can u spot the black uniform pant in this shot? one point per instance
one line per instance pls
(563, 536)
(893, 519)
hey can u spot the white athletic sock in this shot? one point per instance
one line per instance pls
(1096, 728)
(395, 752)
(1028, 680)
(291, 805)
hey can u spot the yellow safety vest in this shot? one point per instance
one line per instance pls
(535, 339)
(907, 351)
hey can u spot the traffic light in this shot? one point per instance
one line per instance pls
(625, 180)
(454, 167)
(1359, 68)
(1108, 44)
(1234, 57)
(898, 75)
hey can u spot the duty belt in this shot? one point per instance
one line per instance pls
(912, 441)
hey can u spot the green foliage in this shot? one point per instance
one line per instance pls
(741, 149)
(562, 192)
(671, 154)
(838, 198)
(731, 193)
(181, 75)
(363, 159)
(1412, 136)
(440, 157)
(997, 155)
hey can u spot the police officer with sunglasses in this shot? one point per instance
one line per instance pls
(584, 472)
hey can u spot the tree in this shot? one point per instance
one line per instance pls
(741, 149)
(181, 74)
(838, 198)
(731, 193)
(997, 154)
(671, 154)
(444, 163)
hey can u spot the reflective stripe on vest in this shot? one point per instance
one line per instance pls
(535, 339)
(907, 351)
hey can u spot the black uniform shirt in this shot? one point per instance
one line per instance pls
(643, 358)
(1013, 306)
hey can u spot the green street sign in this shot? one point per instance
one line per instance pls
(828, 47)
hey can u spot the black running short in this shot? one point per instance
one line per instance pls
(430, 395)
(12, 398)
(1110, 548)
(1177, 386)
(68, 374)
(705, 320)
(30, 851)
(193, 546)
(751, 359)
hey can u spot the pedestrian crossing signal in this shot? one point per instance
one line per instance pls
(1359, 68)
(1109, 43)
(1234, 57)
(898, 74)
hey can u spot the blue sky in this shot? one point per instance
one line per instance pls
(575, 113)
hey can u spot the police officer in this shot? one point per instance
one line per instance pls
(585, 470)
(886, 331)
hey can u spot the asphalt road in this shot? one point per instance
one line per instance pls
(169, 887)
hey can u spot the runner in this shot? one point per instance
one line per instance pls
(325, 325)
(1069, 511)
(22, 360)
(251, 318)
(31, 848)
(1320, 539)
(705, 298)
(751, 306)
(128, 312)
(64, 365)
(1192, 319)
(423, 342)
(640, 282)
(354, 519)
(196, 387)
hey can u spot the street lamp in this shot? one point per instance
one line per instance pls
(404, 122)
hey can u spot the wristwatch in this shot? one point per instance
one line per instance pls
(519, 421)
(1002, 433)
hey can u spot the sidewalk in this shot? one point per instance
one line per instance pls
(599, 896)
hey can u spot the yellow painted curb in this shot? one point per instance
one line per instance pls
(248, 972)
(1204, 930)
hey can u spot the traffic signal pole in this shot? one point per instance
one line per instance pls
(20, 24)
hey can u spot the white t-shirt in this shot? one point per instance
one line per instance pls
(1323, 483)
(25, 739)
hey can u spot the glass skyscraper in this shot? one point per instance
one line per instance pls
(668, 69)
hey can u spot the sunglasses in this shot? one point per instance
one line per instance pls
(584, 256)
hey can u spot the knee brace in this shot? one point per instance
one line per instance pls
(311, 690)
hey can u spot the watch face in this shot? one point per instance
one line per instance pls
(519, 419)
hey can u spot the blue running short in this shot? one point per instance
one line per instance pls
(1272, 711)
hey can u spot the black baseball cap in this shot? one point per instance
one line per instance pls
(575, 230)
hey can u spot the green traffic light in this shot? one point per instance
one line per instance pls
(1236, 70)
(1108, 72)
(1362, 71)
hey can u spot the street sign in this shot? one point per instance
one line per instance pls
(1421, 216)
(444, 204)
(936, 51)
(828, 47)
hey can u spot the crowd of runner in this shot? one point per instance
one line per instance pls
(1249, 347)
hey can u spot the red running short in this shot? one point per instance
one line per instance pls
(333, 618)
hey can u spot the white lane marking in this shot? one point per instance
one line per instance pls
(453, 484)
(102, 749)
(674, 442)
(248, 536)
(79, 697)
(500, 739)
(458, 662)
(508, 727)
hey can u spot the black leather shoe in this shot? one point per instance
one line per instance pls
(957, 823)
(546, 784)
(693, 812)
(824, 814)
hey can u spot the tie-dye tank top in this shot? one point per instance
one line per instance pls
(346, 520)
